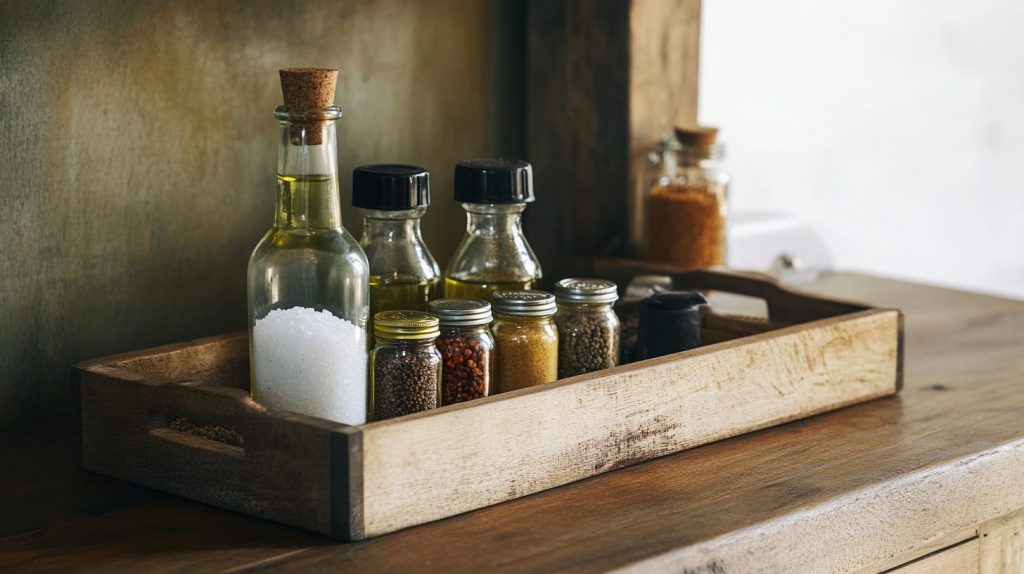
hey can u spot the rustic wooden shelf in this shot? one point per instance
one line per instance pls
(863, 489)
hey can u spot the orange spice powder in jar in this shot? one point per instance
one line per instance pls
(687, 226)
(687, 202)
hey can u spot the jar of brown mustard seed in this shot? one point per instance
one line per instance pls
(588, 328)
(467, 348)
(684, 210)
(405, 366)
(526, 339)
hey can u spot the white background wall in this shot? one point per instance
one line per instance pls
(894, 127)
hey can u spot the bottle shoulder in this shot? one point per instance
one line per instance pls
(498, 257)
(314, 245)
(404, 258)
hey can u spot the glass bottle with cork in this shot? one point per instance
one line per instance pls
(588, 328)
(686, 203)
(405, 365)
(308, 278)
(403, 273)
(526, 339)
(494, 254)
(467, 347)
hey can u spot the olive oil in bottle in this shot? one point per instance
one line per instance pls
(456, 289)
(388, 293)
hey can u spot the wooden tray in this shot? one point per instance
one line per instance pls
(180, 419)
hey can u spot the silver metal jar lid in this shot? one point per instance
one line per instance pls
(524, 303)
(586, 290)
(461, 312)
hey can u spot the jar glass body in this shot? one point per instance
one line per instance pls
(468, 367)
(308, 285)
(403, 273)
(405, 377)
(526, 351)
(588, 337)
(493, 255)
(685, 205)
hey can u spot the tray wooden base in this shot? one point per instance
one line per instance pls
(180, 419)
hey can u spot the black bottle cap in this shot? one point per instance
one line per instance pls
(390, 187)
(493, 181)
(669, 322)
(674, 300)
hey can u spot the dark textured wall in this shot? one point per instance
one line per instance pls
(137, 149)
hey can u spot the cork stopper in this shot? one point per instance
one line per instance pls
(701, 136)
(308, 90)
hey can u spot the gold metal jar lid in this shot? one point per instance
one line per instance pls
(405, 325)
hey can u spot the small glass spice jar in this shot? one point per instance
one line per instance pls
(526, 339)
(405, 366)
(467, 349)
(686, 202)
(588, 328)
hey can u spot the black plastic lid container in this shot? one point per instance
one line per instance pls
(390, 187)
(493, 181)
(669, 323)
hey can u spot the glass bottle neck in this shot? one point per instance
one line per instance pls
(403, 225)
(491, 219)
(309, 195)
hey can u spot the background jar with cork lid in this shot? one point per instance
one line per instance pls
(526, 352)
(686, 201)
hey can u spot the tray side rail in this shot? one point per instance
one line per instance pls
(210, 443)
(437, 464)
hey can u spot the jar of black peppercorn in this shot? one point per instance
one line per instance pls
(467, 348)
(405, 366)
(588, 328)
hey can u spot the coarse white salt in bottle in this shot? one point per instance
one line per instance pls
(310, 362)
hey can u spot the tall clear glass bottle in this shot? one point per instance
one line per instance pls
(686, 202)
(494, 254)
(403, 273)
(308, 277)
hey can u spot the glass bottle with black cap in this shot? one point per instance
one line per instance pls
(403, 274)
(494, 254)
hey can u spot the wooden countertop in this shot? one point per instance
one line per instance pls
(854, 490)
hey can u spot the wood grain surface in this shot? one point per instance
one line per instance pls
(960, 559)
(535, 439)
(863, 489)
